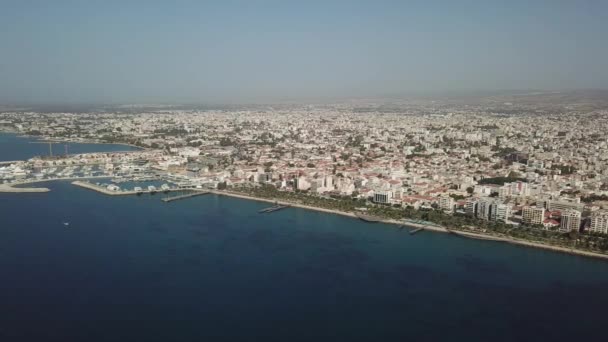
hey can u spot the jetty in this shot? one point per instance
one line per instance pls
(368, 218)
(10, 188)
(273, 208)
(110, 192)
(414, 231)
(184, 196)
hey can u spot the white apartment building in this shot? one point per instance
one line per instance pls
(383, 197)
(446, 203)
(599, 222)
(571, 221)
(470, 206)
(500, 212)
(533, 215)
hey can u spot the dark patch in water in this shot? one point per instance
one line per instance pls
(260, 236)
(199, 232)
(282, 246)
(477, 264)
(417, 275)
(319, 277)
(333, 240)
(158, 229)
(343, 258)
(192, 262)
(150, 276)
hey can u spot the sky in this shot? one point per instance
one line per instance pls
(257, 51)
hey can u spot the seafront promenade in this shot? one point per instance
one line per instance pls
(435, 228)
(324, 210)
(9, 188)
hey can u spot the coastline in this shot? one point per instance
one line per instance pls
(471, 235)
(43, 139)
(10, 187)
(7, 188)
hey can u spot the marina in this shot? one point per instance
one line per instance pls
(113, 190)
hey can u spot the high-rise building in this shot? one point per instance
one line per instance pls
(446, 203)
(533, 215)
(500, 212)
(383, 197)
(484, 209)
(470, 207)
(599, 222)
(301, 183)
(571, 220)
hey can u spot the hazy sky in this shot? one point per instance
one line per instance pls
(242, 51)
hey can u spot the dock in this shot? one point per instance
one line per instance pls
(414, 231)
(273, 208)
(10, 188)
(109, 192)
(179, 197)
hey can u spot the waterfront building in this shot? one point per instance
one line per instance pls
(301, 183)
(383, 197)
(533, 215)
(599, 222)
(571, 220)
(446, 203)
(500, 212)
(484, 209)
(470, 207)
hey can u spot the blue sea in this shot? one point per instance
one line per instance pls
(15, 147)
(210, 268)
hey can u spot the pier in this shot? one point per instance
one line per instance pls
(273, 208)
(414, 231)
(109, 192)
(184, 196)
(10, 188)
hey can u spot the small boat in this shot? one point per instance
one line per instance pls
(66, 223)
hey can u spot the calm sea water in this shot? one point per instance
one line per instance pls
(14, 147)
(211, 268)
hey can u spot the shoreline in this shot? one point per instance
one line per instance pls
(465, 234)
(9, 188)
(43, 139)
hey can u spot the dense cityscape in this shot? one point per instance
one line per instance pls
(531, 167)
